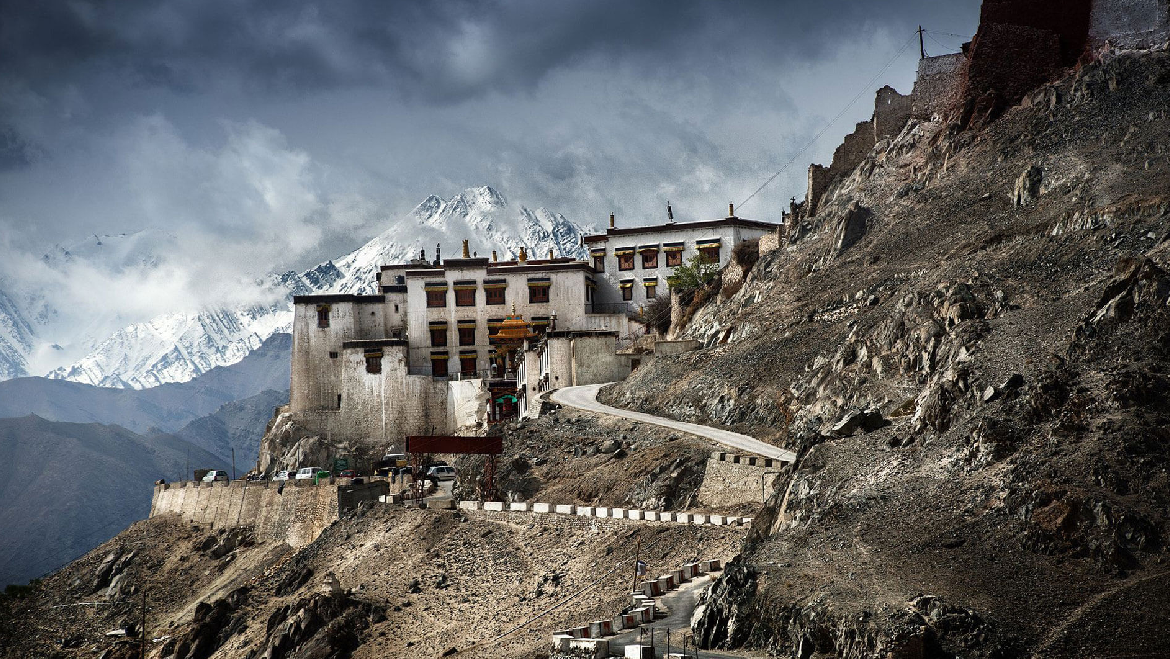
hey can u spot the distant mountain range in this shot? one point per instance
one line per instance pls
(180, 346)
(79, 459)
(69, 487)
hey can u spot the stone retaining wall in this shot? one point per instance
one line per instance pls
(732, 480)
(295, 512)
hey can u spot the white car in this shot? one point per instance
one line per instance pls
(307, 473)
(441, 473)
(215, 475)
(280, 476)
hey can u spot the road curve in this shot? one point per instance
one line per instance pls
(585, 398)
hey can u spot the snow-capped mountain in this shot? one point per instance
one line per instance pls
(16, 339)
(178, 347)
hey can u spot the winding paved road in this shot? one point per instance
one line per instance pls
(585, 398)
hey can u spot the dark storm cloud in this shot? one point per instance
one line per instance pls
(437, 51)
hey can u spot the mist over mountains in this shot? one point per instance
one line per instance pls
(179, 346)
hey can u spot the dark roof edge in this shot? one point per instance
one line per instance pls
(338, 298)
(682, 226)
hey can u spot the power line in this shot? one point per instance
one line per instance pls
(867, 87)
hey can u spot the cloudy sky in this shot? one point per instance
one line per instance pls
(247, 136)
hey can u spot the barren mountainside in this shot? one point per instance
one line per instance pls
(967, 345)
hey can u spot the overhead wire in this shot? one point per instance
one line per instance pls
(868, 86)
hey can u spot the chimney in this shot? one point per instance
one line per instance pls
(494, 257)
(523, 255)
(669, 213)
(550, 256)
(438, 260)
(422, 254)
(730, 210)
(466, 251)
(611, 220)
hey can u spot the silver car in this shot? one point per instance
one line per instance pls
(280, 476)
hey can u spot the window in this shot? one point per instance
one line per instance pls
(626, 261)
(439, 366)
(467, 336)
(538, 293)
(710, 254)
(437, 298)
(651, 290)
(467, 364)
(323, 315)
(373, 362)
(650, 259)
(627, 292)
(439, 336)
(464, 297)
(599, 263)
(332, 354)
(674, 259)
(495, 295)
(339, 401)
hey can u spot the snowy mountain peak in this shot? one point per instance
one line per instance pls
(178, 347)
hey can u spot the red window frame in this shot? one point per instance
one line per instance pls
(439, 368)
(709, 254)
(673, 259)
(466, 336)
(650, 259)
(322, 317)
(627, 293)
(467, 365)
(465, 298)
(439, 337)
(495, 295)
(651, 291)
(538, 294)
(626, 262)
(598, 264)
(436, 298)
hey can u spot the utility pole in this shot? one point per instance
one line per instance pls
(637, 557)
(233, 463)
(921, 44)
(142, 647)
(188, 463)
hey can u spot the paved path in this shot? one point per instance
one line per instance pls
(585, 398)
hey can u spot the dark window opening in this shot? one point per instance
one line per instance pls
(598, 264)
(323, 316)
(467, 365)
(339, 401)
(627, 293)
(374, 363)
(465, 298)
(651, 290)
(495, 295)
(538, 294)
(439, 337)
(649, 259)
(439, 368)
(332, 354)
(436, 298)
(626, 262)
(466, 336)
(709, 254)
(673, 259)
(396, 308)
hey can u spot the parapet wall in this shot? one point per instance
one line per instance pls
(295, 512)
(938, 85)
(733, 480)
(1129, 23)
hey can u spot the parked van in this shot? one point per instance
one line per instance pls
(311, 474)
(215, 475)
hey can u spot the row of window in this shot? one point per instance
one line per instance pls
(674, 258)
(465, 297)
(440, 368)
(628, 290)
(465, 331)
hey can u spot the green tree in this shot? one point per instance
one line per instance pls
(694, 274)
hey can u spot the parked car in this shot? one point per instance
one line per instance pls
(347, 473)
(308, 473)
(280, 476)
(215, 475)
(394, 460)
(441, 473)
(254, 477)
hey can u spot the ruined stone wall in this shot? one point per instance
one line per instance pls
(891, 112)
(595, 360)
(853, 150)
(296, 513)
(938, 85)
(1129, 23)
(732, 480)
(1068, 20)
(771, 241)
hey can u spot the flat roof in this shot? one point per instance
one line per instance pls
(338, 298)
(683, 226)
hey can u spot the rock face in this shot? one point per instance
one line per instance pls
(976, 389)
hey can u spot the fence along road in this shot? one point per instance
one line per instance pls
(585, 398)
